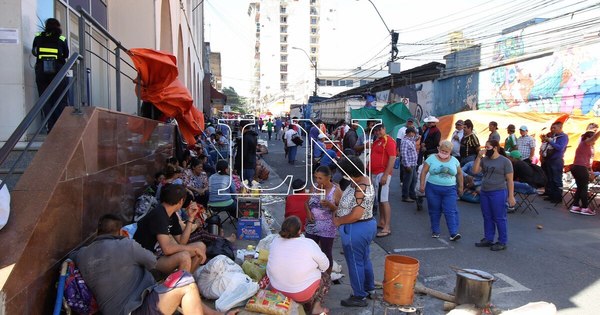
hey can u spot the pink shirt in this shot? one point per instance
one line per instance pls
(583, 155)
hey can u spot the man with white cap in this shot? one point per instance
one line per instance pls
(526, 145)
(430, 139)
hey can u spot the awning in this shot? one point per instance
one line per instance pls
(158, 73)
(214, 94)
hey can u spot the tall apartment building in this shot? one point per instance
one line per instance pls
(288, 46)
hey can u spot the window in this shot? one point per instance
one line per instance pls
(342, 82)
(322, 82)
(283, 58)
(283, 77)
(282, 9)
(313, 1)
(283, 29)
(336, 82)
(329, 83)
(313, 21)
(363, 82)
(313, 50)
(313, 40)
(349, 82)
(283, 86)
(257, 26)
(283, 68)
(313, 59)
(283, 19)
(313, 11)
(283, 38)
(283, 48)
(313, 30)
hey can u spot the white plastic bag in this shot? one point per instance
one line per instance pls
(222, 279)
(4, 206)
(265, 243)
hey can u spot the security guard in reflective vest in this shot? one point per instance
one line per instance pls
(51, 50)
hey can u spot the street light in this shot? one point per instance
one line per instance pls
(314, 64)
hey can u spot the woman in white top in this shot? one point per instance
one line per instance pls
(296, 267)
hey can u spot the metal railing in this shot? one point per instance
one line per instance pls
(35, 111)
(81, 80)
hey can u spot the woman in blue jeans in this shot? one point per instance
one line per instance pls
(496, 189)
(441, 189)
(357, 228)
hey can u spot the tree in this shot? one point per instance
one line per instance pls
(233, 99)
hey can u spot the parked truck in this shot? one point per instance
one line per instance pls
(331, 111)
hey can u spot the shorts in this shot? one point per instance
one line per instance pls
(381, 194)
(149, 305)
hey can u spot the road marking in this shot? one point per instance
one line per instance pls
(444, 242)
(514, 285)
(401, 250)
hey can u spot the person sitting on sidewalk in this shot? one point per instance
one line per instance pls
(522, 173)
(307, 282)
(220, 188)
(116, 269)
(159, 231)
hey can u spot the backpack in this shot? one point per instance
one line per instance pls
(78, 295)
(143, 205)
(297, 139)
(538, 180)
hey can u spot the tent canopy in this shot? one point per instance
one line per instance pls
(158, 73)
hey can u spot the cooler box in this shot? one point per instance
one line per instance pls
(249, 207)
(249, 229)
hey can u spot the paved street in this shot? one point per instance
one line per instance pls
(559, 263)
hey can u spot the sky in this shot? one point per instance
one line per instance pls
(361, 37)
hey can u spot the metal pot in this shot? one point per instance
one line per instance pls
(473, 287)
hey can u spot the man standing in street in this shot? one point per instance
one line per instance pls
(552, 153)
(270, 128)
(510, 143)
(278, 126)
(469, 145)
(494, 135)
(408, 156)
(399, 136)
(292, 148)
(526, 145)
(457, 136)
(248, 150)
(430, 139)
(383, 156)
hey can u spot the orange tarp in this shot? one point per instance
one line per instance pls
(160, 86)
(536, 123)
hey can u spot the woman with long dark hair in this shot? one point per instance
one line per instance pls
(319, 212)
(582, 168)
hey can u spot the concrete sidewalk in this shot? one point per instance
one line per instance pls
(274, 208)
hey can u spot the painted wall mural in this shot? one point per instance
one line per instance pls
(420, 98)
(567, 81)
(455, 94)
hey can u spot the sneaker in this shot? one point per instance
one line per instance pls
(498, 246)
(484, 243)
(455, 237)
(355, 301)
(575, 209)
(435, 235)
(587, 211)
(407, 200)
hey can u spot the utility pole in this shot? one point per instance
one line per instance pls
(394, 35)
(314, 64)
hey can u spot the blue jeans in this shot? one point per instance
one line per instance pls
(292, 150)
(524, 188)
(553, 170)
(442, 199)
(409, 181)
(356, 238)
(248, 173)
(493, 209)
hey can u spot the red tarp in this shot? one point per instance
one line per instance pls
(158, 73)
(537, 123)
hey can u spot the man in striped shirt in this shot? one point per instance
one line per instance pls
(408, 153)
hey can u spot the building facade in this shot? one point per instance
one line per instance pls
(172, 26)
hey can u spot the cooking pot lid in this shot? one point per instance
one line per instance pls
(475, 274)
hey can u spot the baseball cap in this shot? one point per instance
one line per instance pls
(516, 154)
(459, 122)
(523, 128)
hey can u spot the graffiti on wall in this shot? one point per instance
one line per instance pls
(420, 98)
(567, 81)
(456, 94)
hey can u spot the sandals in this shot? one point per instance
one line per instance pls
(383, 234)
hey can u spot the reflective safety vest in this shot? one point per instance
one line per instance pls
(48, 47)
